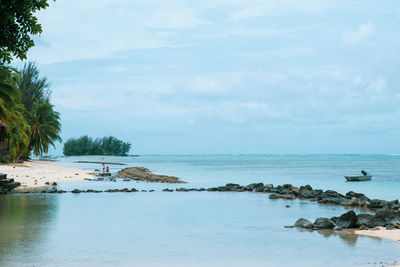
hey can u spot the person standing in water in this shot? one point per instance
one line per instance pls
(107, 170)
(103, 167)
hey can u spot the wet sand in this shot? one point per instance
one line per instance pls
(36, 173)
(381, 233)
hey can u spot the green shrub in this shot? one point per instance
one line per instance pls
(6, 159)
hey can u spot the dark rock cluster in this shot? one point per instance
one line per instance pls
(6, 185)
(384, 217)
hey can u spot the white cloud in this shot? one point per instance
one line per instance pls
(206, 86)
(175, 19)
(74, 30)
(364, 32)
(378, 85)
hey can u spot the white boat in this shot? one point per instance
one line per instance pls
(354, 178)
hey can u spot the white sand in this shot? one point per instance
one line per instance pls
(36, 173)
(381, 233)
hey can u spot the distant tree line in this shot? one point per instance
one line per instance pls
(85, 145)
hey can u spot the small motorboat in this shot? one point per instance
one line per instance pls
(356, 178)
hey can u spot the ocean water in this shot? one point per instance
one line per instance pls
(197, 228)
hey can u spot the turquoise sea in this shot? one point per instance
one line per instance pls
(197, 228)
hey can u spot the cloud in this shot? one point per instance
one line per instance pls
(175, 19)
(364, 32)
(206, 86)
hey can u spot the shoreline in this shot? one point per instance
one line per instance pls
(33, 176)
(380, 233)
(36, 173)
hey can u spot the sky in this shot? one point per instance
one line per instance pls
(226, 76)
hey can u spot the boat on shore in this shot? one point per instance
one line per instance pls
(357, 178)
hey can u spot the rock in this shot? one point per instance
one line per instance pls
(364, 219)
(253, 186)
(324, 223)
(334, 219)
(287, 196)
(363, 201)
(376, 204)
(182, 189)
(308, 187)
(331, 194)
(352, 194)
(396, 225)
(222, 189)
(347, 220)
(152, 190)
(388, 215)
(111, 190)
(332, 200)
(304, 223)
(377, 221)
(390, 227)
(166, 190)
(258, 189)
(349, 202)
(76, 191)
(126, 180)
(143, 174)
(363, 227)
(287, 206)
(289, 226)
(273, 196)
(233, 187)
(6, 181)
(212, 189)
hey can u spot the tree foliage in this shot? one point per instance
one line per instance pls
(34, 88)
(24, 97)
(85, 145)
(45, 127)
(17, 26)
(35, 127)
(12, 112)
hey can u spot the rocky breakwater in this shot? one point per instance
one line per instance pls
(6, 185)
(350, 199)
(384, 217)
(144, 174)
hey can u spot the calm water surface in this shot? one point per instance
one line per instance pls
(197, 228)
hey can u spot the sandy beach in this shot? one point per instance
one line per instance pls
(381, 232)
(36, 173)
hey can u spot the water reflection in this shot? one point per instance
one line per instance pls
(346, 235)
(24, 222)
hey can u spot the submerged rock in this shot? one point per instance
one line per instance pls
(304, 223)
(324, 223)
(166, 190)
(144, 174)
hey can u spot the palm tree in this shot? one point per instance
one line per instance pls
(9, 93)
(45, 127)
(12, 113)
(19, 134)
(33, 86)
